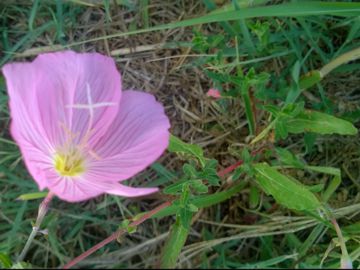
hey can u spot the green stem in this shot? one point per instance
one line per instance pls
(43, 208)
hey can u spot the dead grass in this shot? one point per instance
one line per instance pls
(147, 64)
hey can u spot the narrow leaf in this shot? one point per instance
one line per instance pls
(32, 196)
(317, 122)
(174, 244)
(178, 146)
(308, 8)
(286, 190)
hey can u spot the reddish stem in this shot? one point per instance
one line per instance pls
(230, 168)
(116, 235)
(237, 164)
(143, 218)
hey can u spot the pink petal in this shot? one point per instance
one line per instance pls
(21, 86)
(126, 191)
(30, 135)
(137, 137)
(44, 105)
(214, 93)
(76, 189)
(66, 83)
(85, 187)
(37, 163)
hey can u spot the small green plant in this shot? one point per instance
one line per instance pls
(277, 191)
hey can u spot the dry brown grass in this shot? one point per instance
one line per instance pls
(147, 64)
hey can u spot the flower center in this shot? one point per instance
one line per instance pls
(69, 164)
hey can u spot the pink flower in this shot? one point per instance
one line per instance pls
(78, 133)
(214, 93)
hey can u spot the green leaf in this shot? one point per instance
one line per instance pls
(333, 184)
(254, 197)
(281, 131)
(21, 265)
(316, 188)
(32, 196)
(199, 186)
(185, 195)
(175, 188)
(174, 244)
(5, 261)
(294, 109)
(210, 173)
(203, 201)
(310, 79)
(288, 158)
(189, 170)
(185, 215)
(192, 208)
(327, 170)
(317, 122)
(246, 156)
(125, 224)
(178, 146)
(286, 190)
(295, 73)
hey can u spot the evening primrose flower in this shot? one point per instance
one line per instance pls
(79, 134)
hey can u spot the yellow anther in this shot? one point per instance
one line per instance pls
(70, 164)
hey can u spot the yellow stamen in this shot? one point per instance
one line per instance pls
(70, 164)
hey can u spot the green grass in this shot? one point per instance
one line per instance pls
(256, 56)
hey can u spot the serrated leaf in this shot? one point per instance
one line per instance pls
(210, 174)
(175, 188)
(317, 122)
(189, 170)
(213, 179)
(199, 186)
(285, 190)
(294, 109)
(178, 146)
(275, 110)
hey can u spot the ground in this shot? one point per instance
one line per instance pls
(173, 64)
